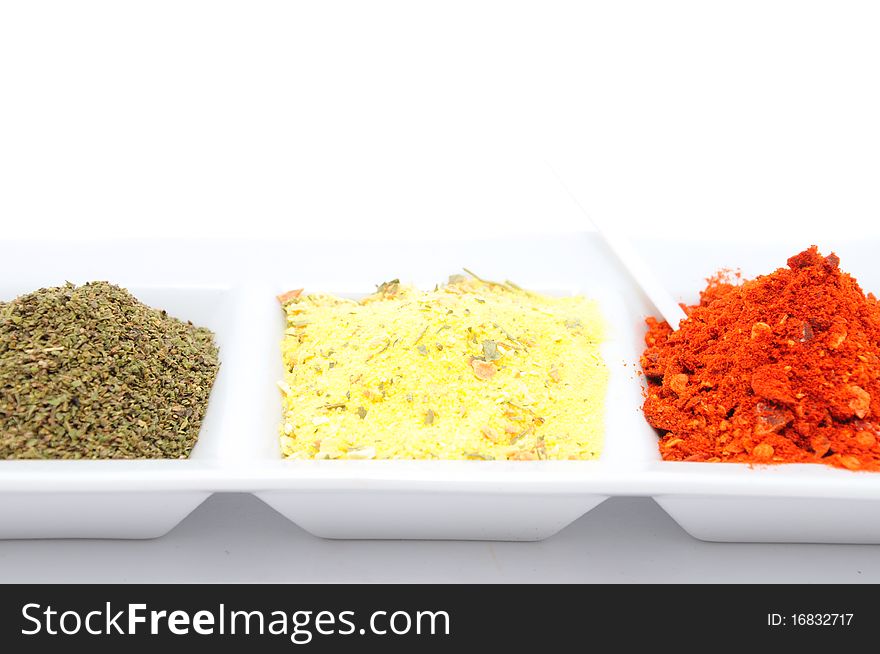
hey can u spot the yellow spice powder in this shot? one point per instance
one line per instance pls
(470, 370)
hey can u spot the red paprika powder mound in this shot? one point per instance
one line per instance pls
(784, 368)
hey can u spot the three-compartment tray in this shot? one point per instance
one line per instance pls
(231, 287)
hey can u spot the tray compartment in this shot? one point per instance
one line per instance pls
(780, 503)
(134, 515)
(437, 515)
(458, 500)
(127, 498)
(773, 519)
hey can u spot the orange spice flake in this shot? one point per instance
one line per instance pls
(784, 368)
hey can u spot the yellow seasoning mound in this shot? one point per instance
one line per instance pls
(471, 370)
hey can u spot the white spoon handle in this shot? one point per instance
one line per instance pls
(638, 269)
(634, 264)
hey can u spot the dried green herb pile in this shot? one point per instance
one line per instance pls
(89, 372)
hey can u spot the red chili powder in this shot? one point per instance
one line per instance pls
(784, 368)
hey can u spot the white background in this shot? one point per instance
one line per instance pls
(738, 120)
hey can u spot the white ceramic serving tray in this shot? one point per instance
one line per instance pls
(231, 287)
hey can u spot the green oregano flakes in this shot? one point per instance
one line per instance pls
(89, 372)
